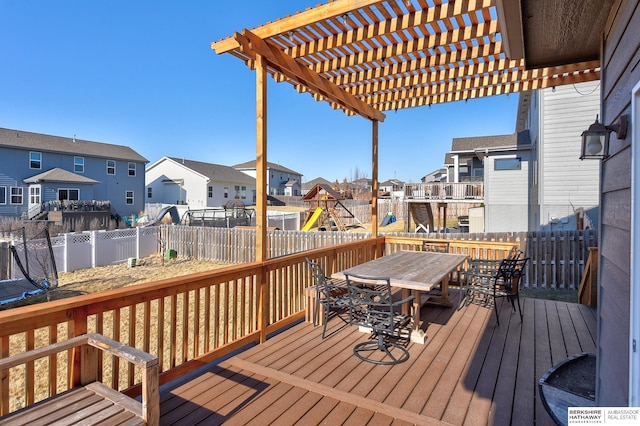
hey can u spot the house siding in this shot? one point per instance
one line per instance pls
(9, 170)
(14, 168)
(620, 72)
(567, 182)
(194, 190)
(506, 195)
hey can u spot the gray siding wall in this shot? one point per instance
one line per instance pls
(566, 182)
(14, 168)
(506, 195)
(621, 71)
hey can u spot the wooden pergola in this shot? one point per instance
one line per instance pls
(365, 57)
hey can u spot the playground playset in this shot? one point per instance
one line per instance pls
(326, 210)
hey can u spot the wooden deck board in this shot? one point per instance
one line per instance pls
(542, 358)
(470, 371)
(462, 394)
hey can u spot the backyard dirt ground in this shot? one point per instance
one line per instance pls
(147, 269)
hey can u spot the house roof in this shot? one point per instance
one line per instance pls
(251, 165)
(310, 184)
(369, 56)
(392, 182)
(472, 143)
(432, 176)
(61, 176)
(20, 139)
(322, 189)
(215, 172)
(475, 146)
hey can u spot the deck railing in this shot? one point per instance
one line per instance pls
(443, 191)
(185, 321)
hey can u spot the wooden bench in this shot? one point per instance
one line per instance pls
(90, 401)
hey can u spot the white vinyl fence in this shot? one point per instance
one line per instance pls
(93, 248)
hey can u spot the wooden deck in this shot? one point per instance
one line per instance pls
(468, 372)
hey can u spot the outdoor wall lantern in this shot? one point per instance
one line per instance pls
(595, 140)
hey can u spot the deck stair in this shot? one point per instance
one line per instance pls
(422, 216)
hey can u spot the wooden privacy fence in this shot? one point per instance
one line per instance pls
(557, 259)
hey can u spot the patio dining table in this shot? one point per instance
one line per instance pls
(416, 273)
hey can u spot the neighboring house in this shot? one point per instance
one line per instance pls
(533, 179)
(464, 163)
(197, 184)
(308, 186)
(439, 175)
(37, 168)
(280, 180)
(561, 182)
(393, 188)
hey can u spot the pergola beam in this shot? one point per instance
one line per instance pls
(252, 45)
(302, 19)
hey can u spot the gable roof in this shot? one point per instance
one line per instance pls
(251, 165)
(59, 175)
(473, 143)
(314, 182)
(19, 139)
(476, 146)
(215, 172)
(322, 189)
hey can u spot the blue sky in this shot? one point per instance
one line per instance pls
(142, 73)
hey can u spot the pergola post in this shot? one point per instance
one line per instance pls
(374, 178)
(261, 189)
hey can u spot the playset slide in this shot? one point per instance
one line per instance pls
(314, 217)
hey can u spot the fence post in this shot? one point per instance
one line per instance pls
(138, 243)
(94, 248)
(66, 253)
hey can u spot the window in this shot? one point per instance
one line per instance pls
(3, 195)
(68, 194)
(149, 192)
(111, 167)
(253, 193)
(210, 192)
(78, 164)
(35, 160)
(34, 195)
(128, 197)
(243, 193)
(16, 195)
(506, 164)
(132, 169)
(226, 192)
(237, 188)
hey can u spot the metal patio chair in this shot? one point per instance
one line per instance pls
(503, 282)
(331, 294)
(372, 307)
